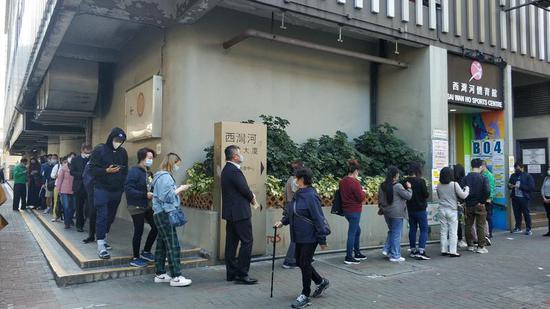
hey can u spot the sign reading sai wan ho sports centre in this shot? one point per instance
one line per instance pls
(474, 83)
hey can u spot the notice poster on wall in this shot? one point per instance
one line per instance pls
(534, 156)
(492, 152)
(440, 159)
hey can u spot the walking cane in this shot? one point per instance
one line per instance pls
(273, 259)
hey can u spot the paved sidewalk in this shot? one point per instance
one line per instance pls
(515, 274)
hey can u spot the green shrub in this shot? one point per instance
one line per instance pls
(281, 149)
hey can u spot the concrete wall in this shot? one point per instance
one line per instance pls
(53, 144)
(69, 144)
(532, 127)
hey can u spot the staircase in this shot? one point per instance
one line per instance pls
(538, 219)
(73, 262)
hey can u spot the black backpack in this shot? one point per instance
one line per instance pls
(337, 204)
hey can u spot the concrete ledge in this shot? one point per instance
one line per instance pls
(202, 230)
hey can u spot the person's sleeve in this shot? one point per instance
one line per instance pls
(486, 190)
(130, 186)
(493, 185)
(358, 192)
(462, 193)
(97, 169)
(425, 192)
(405, 194)
(242, 186)
(531, 183)
(285, 220)
(74, 169)
(125, 169)
(511, 180)
(164, 189)
(319, 221)
(61, 176)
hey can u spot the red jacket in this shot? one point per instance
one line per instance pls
(352, 195)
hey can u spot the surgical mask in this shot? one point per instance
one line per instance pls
(116, 145)
(548, 173)
(54, 161)
(148, 162)
(176, 168)
(86, 155)
(69, 160)
(241, 158)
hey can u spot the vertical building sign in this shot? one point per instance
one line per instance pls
(252, 140)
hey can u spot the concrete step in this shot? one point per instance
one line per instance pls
(85, 256)
(67, 272)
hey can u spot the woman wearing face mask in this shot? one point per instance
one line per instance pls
(165, 200)
(64, 183)
(138, 197)
(546, 198)
(392, 199)
(35, 183)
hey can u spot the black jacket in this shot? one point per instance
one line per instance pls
(236, 195)
(105, 155)
(77, 168)
(136, 187)
(526, 184)
(305, 216)
(419, 200)
(480, 190)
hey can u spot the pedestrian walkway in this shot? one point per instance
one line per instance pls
(515, 274)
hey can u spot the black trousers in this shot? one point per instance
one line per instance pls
(521, 207)
(139, 223)
(19, 195)
(547, 208)
(91, 213)
(80, 199)
(304, 256)
(235, 232)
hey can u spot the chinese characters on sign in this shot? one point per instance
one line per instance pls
(247, 142)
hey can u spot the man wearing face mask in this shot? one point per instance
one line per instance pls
(77, 168)
(290, 188)
(521, 185)
(109, 167)
(236, 201)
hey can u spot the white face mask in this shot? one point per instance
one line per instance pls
(86, 155)
(116, 145)
(148, 162)
(241, 158)
(69, 160)
(176, 168)
(548, 173)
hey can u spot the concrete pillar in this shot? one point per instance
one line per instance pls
(53, 144)
(415, 99)
(69, 144)
(509, 143)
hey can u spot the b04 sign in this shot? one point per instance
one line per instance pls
(487, 147)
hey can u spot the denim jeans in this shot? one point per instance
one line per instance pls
(354, 233)
(106, 204)
(393, 241)
(67, 201)
(418, 219)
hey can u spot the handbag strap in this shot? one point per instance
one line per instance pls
(300, 216)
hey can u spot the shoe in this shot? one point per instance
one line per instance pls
(31, 207)
(488, 241)
(472, 248)
(79, 229)
(547, 234)
(423, 256)
(180, 281)
(454, 255)
(414, 253)
(482, 250)
(245, 280)
(361, 257)
(138, 262)
(289, 266)
(164, 278)
(147, 256)
(351, 261)
(67, 227)
(321, 288)
(462, 244)
(528, 233)
(301, 302)
(516, 231)
(47, 210)
(103, 254)
(445, 253)
(385, 253)
(230, 278)
(108, 247)
(56, 220)
(397, 260)
(88, 240)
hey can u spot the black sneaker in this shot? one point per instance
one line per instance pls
(414, 253)
(301, 302)
(359, 256)
(423, 256)
(516, 231)
(547, 234)
(321, 288)
(351, 261)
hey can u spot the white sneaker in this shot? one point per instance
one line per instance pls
(462, 244)
(180, 281)
(385, 253)
(164, 278)
(482, 250)
(399, 260)
(472, 248)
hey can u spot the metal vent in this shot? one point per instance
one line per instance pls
(532, 100)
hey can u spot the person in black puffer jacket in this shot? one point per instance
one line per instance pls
(308, 228)
(109, 167)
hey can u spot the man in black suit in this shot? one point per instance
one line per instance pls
(80, 196)
(236, 200)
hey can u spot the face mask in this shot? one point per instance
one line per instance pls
(69, 160)
(85, 155)
(54, 161)
(176, 168)
(241, 158)
(548, 173)
(116, 145)
(294, 185)
(148, 162)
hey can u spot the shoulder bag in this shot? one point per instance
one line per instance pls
(326, 226)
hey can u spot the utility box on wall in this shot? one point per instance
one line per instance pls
(144, 109)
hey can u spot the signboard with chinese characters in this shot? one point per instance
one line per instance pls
(252, 140)
(474, 83)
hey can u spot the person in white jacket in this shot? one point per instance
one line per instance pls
(449, 193)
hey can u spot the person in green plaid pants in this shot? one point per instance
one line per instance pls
(165, 200)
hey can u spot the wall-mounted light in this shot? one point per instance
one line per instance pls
(452, 110)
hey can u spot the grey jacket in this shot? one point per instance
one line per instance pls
(397, 209)
(450, 194)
